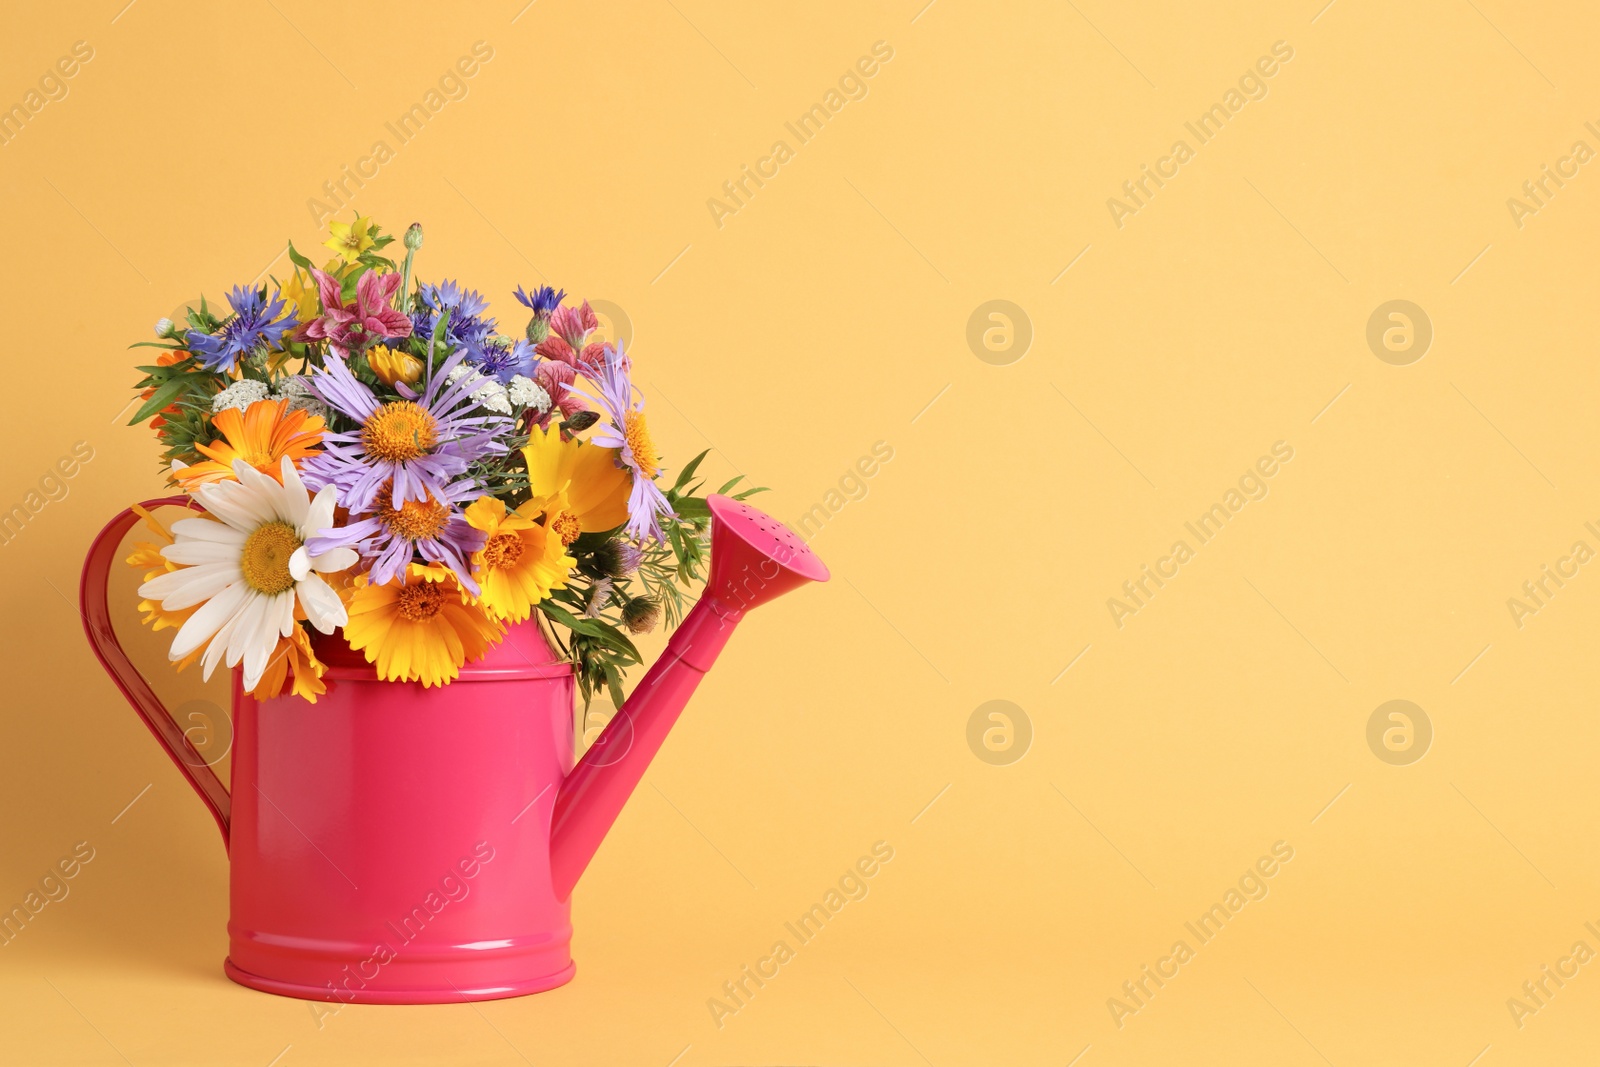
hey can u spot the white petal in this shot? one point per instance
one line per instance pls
(231, 502)
(264, 640)
(335, 559)
(319, 516)
(247, 633)
(266, 495)
(209, 619)
(296, 501)
(321, 604)
(208, 530)
(192, 552)
(286, 606)
(217, 648)
(299, 564)
(187, 587)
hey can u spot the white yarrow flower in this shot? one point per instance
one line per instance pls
(298, 392)
(246, 565)
(527, 393)
(240, 395)
(488, 392)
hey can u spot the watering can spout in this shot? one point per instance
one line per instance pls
(754, 559)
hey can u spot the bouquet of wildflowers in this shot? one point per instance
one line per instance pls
(371, 454)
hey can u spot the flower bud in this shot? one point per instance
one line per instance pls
(164, 328)
(394, 365)
(641, 614)
(581, 421)
(538, 329)
(616, 559)
(413, 237)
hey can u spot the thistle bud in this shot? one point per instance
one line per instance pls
(164, 328)
(616, 559)
(641, 614)
(538, 329)
(413, 237)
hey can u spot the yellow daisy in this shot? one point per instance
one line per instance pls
(521, 559)
(582, 481)
(420, 628)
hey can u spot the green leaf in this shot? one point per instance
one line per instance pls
(688, 470)
(614, 685)
(438, 337)
(164, 395)
(692, 508)
(297, 259)
(603, 632)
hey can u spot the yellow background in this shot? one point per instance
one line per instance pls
(827, 315)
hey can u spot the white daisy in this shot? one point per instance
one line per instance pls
(247, 565)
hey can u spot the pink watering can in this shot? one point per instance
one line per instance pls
(399, 845)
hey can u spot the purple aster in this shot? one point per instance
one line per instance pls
(541, 301)
(254, 325)
(419, 443)
(627, 433)
(389, 535)
(499, 358)
(466, 307)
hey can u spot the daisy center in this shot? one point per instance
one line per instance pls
(420, 602)
(265, 559)
(398, 431)
(503, 550)
(415, 520)
(639, 443)
(567, 527)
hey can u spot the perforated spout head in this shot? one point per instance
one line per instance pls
(754, 557)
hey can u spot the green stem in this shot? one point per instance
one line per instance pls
(404, 291)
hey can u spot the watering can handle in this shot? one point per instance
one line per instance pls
(95, 609)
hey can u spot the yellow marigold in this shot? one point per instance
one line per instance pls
(421, 627)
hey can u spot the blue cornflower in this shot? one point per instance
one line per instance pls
(466, 307)
(497, 357)
(541, 301)
(254, 325)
